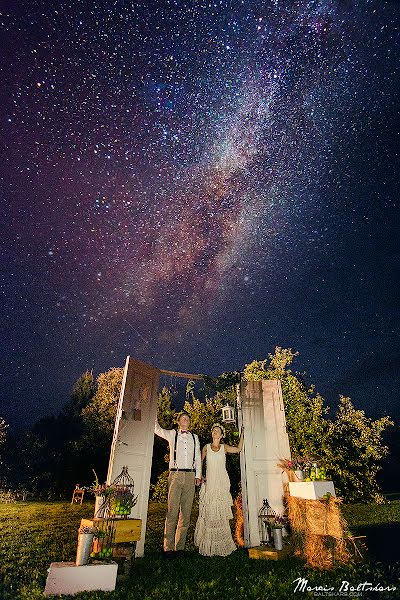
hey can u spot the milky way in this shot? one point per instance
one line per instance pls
(162, 157)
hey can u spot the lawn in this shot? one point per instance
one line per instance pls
(35, 534)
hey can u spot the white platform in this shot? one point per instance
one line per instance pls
(67, 578)
(311, 490)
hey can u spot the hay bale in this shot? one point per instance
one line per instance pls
(317, 552)
(319, 530)
(239, 526)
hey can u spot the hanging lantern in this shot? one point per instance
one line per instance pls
(228, 414)
(266, 514)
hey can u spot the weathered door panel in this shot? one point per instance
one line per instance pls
(266, 442)
(133, 438)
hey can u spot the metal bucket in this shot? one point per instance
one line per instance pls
(277, 537)
(83, 549)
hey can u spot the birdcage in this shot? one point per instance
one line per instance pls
(122, 499)
(266, 516)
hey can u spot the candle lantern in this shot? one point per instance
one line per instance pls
(228, 414)
(266, 514)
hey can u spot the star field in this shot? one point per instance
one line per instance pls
(195, 182)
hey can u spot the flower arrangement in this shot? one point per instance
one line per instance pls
(97, 533)
(118, 497)
(277, 522)
(87, 529)
(100, 489)
(311, 467)
(296, 464)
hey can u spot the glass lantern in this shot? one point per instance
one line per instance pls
(228, 414)
(265, 515)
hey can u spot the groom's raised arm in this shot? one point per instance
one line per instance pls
(164, 433)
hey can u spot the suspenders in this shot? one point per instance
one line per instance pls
(194, 450)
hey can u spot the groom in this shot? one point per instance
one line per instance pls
(184, 474)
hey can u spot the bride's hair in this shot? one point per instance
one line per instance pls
(221, 428)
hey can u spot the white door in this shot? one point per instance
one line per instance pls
(132, 444)
(265, 442)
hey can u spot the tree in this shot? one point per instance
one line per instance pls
(166, 414)
(98, 419)
(304, 409)
(99, 414)
(166, 411)
(350, 445)
(352, 451)
(60, 451)
(82, 393)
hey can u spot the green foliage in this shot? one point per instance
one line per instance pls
(35, 534)
(165, 410)
(350, 445)
(304, 409)
(160, 489)
(82, 393)
(223, 382)
(202, 418)
(203, 415)
(99, 415)
(60, 451)
(352, 450)
(167, 419)
(98, 419)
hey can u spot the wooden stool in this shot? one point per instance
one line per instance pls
(77, 496)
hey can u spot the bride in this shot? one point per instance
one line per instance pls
(213, 533)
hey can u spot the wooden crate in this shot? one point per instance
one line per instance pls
(266, 553)
(126, 530)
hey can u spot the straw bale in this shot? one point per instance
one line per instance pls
(297, 514)
(239, 526)
(317, 552)
(319, 530)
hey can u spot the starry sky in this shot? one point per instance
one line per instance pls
(193, 183)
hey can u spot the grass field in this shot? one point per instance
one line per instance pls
(35, 534)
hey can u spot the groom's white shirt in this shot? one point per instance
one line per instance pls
(184, 449)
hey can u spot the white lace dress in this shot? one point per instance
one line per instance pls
(213, 534)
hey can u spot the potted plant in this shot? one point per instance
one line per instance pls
(102, 493)
(294, 468)
(304, 468)
(277, 523)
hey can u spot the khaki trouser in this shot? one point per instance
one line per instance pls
(180, 500)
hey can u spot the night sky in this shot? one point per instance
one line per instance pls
(193, 183)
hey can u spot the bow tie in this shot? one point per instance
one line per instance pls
(180, 431)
